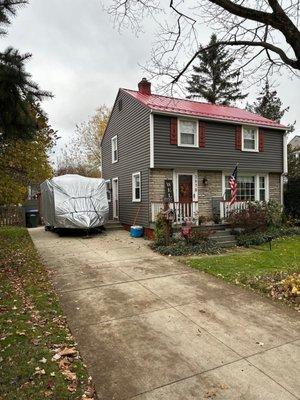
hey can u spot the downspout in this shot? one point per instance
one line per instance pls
(285, 164)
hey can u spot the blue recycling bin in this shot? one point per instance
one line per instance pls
(136, 231)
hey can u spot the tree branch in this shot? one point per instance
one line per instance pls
(265, 45)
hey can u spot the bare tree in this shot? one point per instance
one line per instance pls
(263, 30)
(82, 155)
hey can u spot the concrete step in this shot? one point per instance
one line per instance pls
(216, 227)
(222, 233)
(227, 244)
(113, 225)
(222, 237)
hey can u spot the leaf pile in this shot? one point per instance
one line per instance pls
(38, 355)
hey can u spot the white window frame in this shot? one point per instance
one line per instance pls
(196, 141)
(256, 184)
(134, 198)
(108, 190)
(114, 139)
(256, 148)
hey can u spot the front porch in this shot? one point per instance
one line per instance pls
(190, 211)
(182, 211)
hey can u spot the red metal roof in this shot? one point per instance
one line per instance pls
(199, 109)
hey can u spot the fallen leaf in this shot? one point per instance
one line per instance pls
(55, 357)
(43, 360)
(72, 387)
(64, 363)
(224, 386)
(68, 351)
(71, 376)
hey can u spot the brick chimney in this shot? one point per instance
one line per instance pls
(144, 86)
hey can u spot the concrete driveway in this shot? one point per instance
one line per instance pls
(149, 328)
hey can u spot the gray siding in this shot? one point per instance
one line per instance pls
(131, 125)
(219, 152)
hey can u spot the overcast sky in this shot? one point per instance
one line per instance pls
(83, 60)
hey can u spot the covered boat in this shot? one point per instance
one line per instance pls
(74, 201)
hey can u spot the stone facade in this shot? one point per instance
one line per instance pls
(213, 188)
(275, 187)
(206, 192)
(157, 184)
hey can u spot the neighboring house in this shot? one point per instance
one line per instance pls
(295, 145)
(152, 141)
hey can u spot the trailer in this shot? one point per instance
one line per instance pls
(74, 202)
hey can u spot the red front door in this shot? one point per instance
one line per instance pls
(185, 186)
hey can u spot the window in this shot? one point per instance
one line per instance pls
(262, 188)
(114, 149)
(245, 186)
(188, 133)
(250, 188)
(250, 138)
(136, 187)
(108, 189)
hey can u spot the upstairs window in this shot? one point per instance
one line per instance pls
(136, 186)
(250, 138)
(114, 149)
(188, 133)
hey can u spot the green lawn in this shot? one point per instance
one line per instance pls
(33, 329)
(243, 266)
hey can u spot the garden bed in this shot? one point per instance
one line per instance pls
(181, 248)
(39, 359)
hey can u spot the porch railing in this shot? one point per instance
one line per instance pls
(226, 208)
(181, 211)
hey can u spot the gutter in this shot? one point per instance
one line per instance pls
(283, 128)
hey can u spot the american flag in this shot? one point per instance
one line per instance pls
(233, 185)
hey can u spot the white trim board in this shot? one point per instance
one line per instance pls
(151, 122)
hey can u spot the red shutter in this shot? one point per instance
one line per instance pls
(173, 131)
(261, 140)
(238, 137)
(202, 127)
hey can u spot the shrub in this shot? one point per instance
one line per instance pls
(257, 238)
(291, 197)
(257, 216)
(273, 211)
(197, 236)
(251, 219)
(162, 230)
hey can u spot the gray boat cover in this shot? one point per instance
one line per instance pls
(74, 201)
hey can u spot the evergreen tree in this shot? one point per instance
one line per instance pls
(213, 79)
(268, 104)
(18, 94)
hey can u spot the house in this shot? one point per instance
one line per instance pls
(295, 146)
(155, 145)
